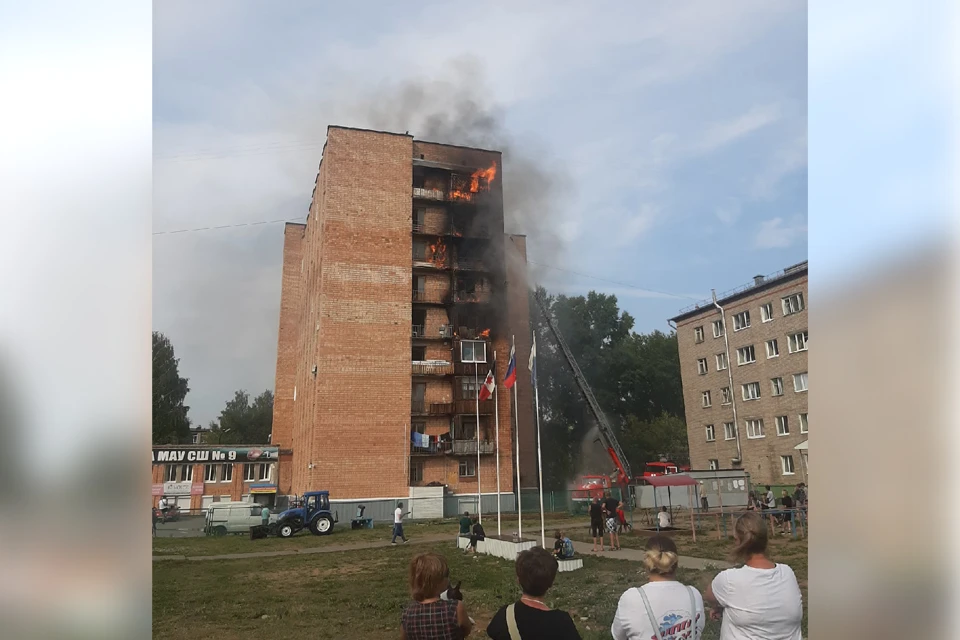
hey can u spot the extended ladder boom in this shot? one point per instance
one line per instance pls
(606, 431)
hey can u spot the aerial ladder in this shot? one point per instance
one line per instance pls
(607, 437)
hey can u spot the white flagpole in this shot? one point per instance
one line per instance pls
(496, 417)
(536, 396)
(516, 432)
(476, 379)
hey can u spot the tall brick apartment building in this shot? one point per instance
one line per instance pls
(745, 378)
(396, 293)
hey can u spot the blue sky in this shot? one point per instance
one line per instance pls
(674, 136)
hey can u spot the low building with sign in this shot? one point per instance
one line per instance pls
(195, 476)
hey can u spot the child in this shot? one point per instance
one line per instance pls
(477, 536)
(622, 518)
(562, 547)
(429, 617)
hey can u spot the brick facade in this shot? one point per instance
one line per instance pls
(761, 456)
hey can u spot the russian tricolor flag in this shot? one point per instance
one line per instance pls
(511, 378)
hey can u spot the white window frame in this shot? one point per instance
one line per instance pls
(186, 474)
(802, 419)
(752, 386)
(250, 472)
(265, 472)
(713, 464)
(783, 465)
(776, 387)
(741, 321)
(729, 430)
(711, 433)
(793, 300)
(744, 352)
(724, 397)
(210, 472)
(721, 359)
(806, 384)
(718, 328)
(755, 426)
(783, 426)
(702, 367)
(797, 342)
(766, 312)
(227, 474)
(705, 400)
(698, 334)
(467, 462)
(773, 352)
(474, 343)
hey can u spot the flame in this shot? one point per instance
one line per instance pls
(487, 175)
(485, 333)
(438, 254)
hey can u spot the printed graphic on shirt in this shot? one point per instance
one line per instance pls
(676, 626)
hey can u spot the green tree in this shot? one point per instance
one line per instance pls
(243, 422)
(171, 425)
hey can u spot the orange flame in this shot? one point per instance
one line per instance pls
(487, 175)
(438, 254)
(485, 333)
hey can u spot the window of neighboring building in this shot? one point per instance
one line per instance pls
(473, 351)
(705, 399)
(800, 382)
(766, 312)
(773, 349)
(702, 366)
(793, 304)
(416, 472)
(741, 321)
(264, 472)
(196, 438)
(209, 473)
(698, 334)
(783, 428)
(751, 391)
(249, 472)
(717, 328)
(797, 342)
(186, 473)
(754, 428)
(786, 463)
(746, 355)
(226, 473)
(714, 464)
(468, 468)
(729, 431)
(721, 361)
(776, 386)
(172, 471)
(803, 423)
(711, 433)
(725, 395)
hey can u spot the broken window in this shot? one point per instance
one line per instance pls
(419, 353)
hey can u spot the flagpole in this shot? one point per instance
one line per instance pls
(476, 381)
(536, 397)
(496, 417)
(516, 432)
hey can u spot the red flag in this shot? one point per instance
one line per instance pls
(489, 386)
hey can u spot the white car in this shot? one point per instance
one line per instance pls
(233, 517)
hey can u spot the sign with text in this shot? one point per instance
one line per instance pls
(196, 490)
(157, 490)
(165, 455)
(176, 488)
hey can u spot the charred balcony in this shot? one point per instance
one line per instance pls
(422, 296)
(460, 185)
(419, 332)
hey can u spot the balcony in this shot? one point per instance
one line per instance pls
(476, 296)
(431, 297)
(419, 227)
(468, 447)
(416, 331)
(469, 406)
(470, 264)
(429, 194)
(432, 368)
(435, 448)
(441, 408)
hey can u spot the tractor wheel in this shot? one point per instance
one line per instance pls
(285, 530)
(219, 531)
(322, 526)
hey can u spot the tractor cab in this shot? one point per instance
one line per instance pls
(312, 512)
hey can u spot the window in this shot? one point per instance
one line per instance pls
(773, 349)
(717, 328)
(196, 438)
(741, 320)
(705, 399)
(418, 217)
(226, 473)
(729, 431)
(470, 387)
(209, 473)
(793, 304)
(776, 386)
(473, 351)
(714, 464)
(173, 471)
(186, 473)
(725, 395)
(803, 423)
(800, 382)
(721, 361)
(751, 391)
(711, 433)
(468, 468)
(419, 251)
(786, 463)
(766, 312)
(249, 472)
(264, 469)
(797, 342)
(754, 428)
(783, 429)
(419, 354)
(702, 366)
(698, 334)
(416, 472)
(746, 355)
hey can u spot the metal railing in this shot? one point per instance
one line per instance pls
(429, 194)
(417, 330)
(437, 297)
(418, 406)
(776, 275)
(418, 227)
(470, 264)
(466, 447)
(432, 368)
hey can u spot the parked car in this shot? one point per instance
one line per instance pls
(233, 517)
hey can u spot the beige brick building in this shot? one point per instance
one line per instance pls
(745, 378)
(396, 293)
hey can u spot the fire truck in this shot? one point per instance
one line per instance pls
(663, 468)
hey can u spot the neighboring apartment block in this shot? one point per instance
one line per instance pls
(396, 294)
(745, 378)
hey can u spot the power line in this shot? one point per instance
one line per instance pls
(622, 284)
(227, 226)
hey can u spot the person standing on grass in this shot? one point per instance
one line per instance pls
(398, 525)
(530, 618)
(760, 599)
(596, 523)
(800, 495)
(610, 519)
(429, 617)
(769, 501)
(787, 502)
(662, 608)
(621, 518)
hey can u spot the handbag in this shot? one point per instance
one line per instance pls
(512, 624)
(653, 618)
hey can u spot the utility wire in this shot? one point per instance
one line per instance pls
(622, 284)
(227, 226)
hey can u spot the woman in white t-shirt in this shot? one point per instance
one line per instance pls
(761, 599)
(662, 608)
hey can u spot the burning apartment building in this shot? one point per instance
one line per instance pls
(397, 292)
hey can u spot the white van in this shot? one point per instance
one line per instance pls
(233, 517)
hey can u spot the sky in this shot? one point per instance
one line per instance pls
(669, 142)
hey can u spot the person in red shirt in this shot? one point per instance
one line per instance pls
(621, 516)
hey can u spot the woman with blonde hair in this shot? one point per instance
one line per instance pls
(429, 617)
(760, 599)
(662, 608)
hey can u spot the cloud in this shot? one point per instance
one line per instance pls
(728, 213)
(724, 133)
(775, 234)
(636, 225)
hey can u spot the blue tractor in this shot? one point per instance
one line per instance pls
(312, 512)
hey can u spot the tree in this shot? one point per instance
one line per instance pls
(171, 425)
(243, 422)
